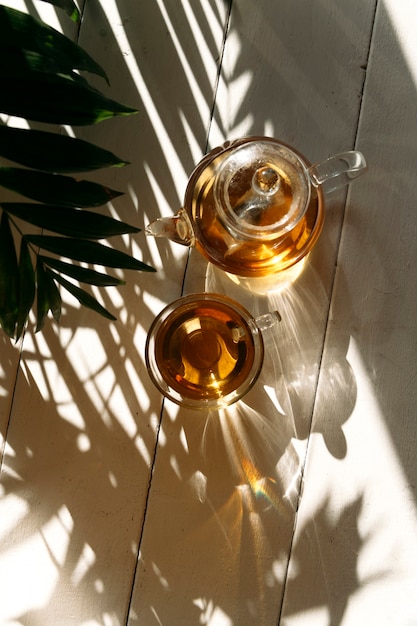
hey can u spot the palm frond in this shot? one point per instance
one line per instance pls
(35, 59)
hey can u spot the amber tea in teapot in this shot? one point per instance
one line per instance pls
(255, 207)
(249, 255)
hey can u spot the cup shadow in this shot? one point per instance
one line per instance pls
(231, 478)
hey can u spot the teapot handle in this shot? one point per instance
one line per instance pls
(338, 170)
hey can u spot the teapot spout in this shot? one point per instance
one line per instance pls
(176, 228)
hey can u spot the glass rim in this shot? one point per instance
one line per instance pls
(204, 402)
(261, 153)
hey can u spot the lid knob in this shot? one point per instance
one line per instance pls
(261, 189)
(266, 180)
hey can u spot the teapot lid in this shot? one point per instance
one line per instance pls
(261, 189)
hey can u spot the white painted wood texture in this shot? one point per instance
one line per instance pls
(113, 512)
(354, 557)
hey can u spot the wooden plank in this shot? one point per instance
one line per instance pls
(293, 71)
(355, 547)
(225, 486)
(85, 416)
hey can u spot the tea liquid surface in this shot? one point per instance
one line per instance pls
(204, 350)
(242, 256)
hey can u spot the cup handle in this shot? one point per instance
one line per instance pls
(267, 320)
(338, 171)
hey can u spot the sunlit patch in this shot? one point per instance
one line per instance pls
(354, 517)
(83, 442)
(109, 619)
(230, 82)
(290, 469)
(383, 463)
(48, 14)
(266, 488)
(247, 438)
(19, 5)
(141, 447)
(13, 510)
(279, 570)
(47, 548)
(119, 407)
(202, 49)
(33, 369)
(162, 580)
(270, 284)
(9, 451)
(198, 482)
(135, 380)
(269, 128)
(316, 616)
(211, 615)
(84, 564)
(116, 22)
(194, 145)
(3, 391)
(134, 616)
(113, 479)
(201, 104)
(403, 22)
(69, 130)
(153, 303)
(49, 380)
(57, 534)
(173, 461)
(271, 393)
(183, 440)
(15, 122)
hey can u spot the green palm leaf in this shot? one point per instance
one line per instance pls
(9, 278)
(26, 287)
(55, 300)
(51, 152)
(20, 31)
(56, 99)
(68, 221)
(88, 251)
(83, 297)
(68, 6)
(55, 188)
(82, 274)
(41, 81)
(26, 63)
(48, 297)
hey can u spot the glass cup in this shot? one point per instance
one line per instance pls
(205, 351)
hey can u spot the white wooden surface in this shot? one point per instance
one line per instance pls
(296, 506)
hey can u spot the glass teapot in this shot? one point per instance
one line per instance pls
(255, 206)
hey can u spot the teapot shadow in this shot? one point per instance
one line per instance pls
(293, 362)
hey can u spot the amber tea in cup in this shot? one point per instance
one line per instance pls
(205, 351)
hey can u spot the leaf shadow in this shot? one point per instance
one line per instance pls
(84, 418)
(210, 490)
